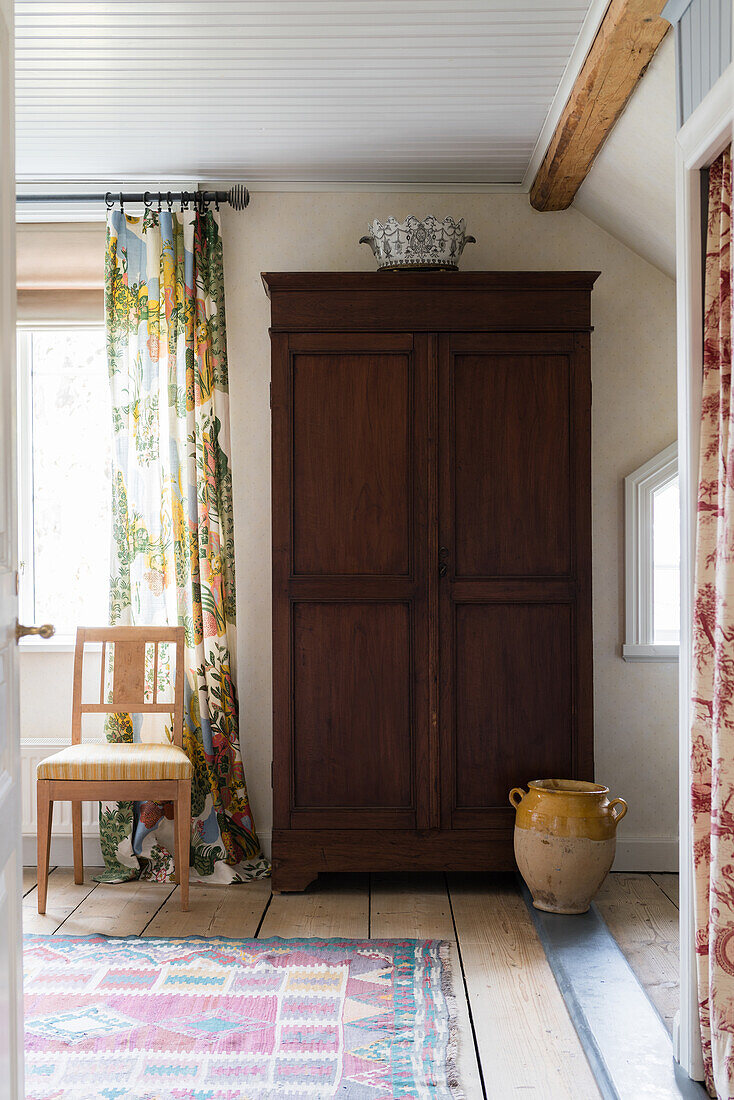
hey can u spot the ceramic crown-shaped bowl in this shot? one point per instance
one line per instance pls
(423, 244)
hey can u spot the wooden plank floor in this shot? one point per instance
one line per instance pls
(516, 1036)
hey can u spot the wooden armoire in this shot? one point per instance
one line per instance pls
(431, 504)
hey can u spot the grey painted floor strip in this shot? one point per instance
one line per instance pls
(625, 1041)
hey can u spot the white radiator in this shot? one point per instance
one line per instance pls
(31, 753)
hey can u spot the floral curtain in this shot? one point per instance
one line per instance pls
(712, 762)
(173, 539)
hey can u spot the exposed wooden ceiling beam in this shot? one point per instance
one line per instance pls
(626, 41)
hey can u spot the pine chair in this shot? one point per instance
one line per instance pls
(108, 772)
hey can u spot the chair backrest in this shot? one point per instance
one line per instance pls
(134, 677)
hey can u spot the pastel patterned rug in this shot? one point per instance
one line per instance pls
(220, 1019)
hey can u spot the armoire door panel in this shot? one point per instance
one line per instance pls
(350, 559)
(352, 463)
(511, 464)
(353, 707)
(513, 699)
(515, 668)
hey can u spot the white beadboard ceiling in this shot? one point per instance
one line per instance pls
(384, 91)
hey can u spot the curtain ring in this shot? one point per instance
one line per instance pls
(109, 200)
(147, 200)
(185, 199)
(159, 202)
(216, 202)
(169, 201)
(122, 204)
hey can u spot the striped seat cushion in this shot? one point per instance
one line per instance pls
(106, 762)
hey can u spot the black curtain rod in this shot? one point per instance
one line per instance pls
(238, 197)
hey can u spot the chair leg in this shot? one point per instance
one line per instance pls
(76, 830)
(183, 839)
(44, 817)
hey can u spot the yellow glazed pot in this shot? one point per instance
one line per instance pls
(565, 837)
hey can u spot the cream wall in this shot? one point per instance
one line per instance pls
(634, 416)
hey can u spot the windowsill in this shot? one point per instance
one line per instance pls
(656, 653)
(59, 643)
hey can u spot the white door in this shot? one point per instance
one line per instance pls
(11, 871)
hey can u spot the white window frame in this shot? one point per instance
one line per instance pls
(639, 490)
(59, 643)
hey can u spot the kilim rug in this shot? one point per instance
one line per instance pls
(220, 1019)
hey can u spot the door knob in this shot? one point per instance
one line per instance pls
(443, 554)
(45, 631)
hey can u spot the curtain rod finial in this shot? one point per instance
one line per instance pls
(239, 197)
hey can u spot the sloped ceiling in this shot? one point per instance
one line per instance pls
(630, 190)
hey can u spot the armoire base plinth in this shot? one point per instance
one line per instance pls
(299, 856)
(292, 879)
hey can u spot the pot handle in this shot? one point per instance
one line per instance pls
(520, 795)
(623, 807)
(365, 240)
(471, 240)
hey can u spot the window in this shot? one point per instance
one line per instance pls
(64, 465)
(652, 520)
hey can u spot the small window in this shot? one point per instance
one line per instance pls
(652, 520)
(64, 467)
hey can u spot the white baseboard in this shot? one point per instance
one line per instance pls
(646, 853)
(62, 853)
(265, 837)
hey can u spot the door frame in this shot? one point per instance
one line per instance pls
(11, 871)
(699, 141)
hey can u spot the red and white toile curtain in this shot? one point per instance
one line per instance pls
(712, 735)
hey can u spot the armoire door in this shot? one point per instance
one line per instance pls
(514, 568)
(350, 521)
